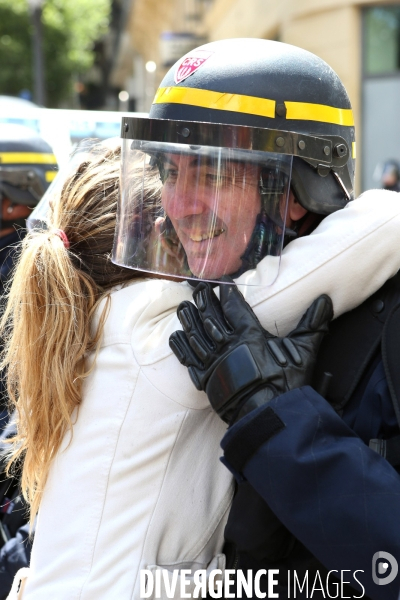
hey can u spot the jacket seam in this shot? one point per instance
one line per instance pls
(108, 480)
(208, 407)
(157, 501)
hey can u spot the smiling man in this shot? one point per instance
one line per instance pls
(202, 211)
(215, 205)
(213, 235)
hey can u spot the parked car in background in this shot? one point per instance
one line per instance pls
(20, 112)
(62, 128)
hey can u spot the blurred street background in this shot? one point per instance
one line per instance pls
(73, 66)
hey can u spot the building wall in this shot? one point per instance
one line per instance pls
(262, 18)
(329, 28)
(335, 36)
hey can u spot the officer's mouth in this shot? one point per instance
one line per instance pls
(208, 235)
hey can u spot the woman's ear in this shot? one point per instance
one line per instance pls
(295, 210)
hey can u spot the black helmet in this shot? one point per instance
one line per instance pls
(268, 84)
(27, 164)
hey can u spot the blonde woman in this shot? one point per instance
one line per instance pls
(104, 445)
(120, 455)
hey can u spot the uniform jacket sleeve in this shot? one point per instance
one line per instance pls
(338, 497)
(14, 555)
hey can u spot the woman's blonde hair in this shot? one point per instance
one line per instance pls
(46, 324)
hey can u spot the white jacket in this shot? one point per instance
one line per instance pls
(140, 485)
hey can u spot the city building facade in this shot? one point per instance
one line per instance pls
(360, 39)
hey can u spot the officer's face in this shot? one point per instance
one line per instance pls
(11, 212)
(213, 208)
(389, 179)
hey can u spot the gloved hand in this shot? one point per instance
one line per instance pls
(239, 364)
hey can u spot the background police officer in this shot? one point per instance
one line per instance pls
(390, 178)
(27, 167)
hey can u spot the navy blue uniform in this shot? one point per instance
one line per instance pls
(15, 553)
(333, 502)
(17, 543)
(8, 255)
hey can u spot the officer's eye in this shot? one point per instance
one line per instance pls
(219, 179)
(213, 178)
(170, 175)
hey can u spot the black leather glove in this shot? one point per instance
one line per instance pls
(239, 364)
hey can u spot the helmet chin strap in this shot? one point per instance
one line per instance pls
(265, 238)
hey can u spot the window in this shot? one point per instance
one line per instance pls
(380, 91)
(382, 40)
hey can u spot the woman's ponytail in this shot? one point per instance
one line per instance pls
(61, 276)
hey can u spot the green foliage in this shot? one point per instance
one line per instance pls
(70, 28)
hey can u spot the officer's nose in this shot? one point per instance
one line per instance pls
(182, 199)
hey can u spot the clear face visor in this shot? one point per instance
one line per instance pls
(200, 212)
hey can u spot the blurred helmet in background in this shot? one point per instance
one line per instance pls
(84, 151)
(390, 177)
(27, 167)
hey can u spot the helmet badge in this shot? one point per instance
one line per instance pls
(190, 63)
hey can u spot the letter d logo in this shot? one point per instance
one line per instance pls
(382, 567)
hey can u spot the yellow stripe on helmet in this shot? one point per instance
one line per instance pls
(216, 100)
(27, 158)
(50, 175)
(300, 111)
(303, 111)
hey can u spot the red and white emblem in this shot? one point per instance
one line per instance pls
(190, 63)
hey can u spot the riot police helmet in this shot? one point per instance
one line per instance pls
(235, 126)
(27, 164)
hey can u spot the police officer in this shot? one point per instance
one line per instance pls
(390, 178)
(316, 490)
(27, 167)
